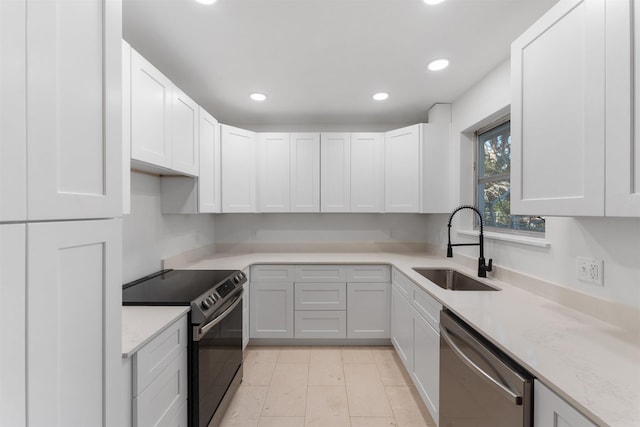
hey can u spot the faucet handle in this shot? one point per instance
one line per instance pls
(489, 266)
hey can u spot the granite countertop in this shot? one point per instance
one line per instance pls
(140, 324)
(592, 364)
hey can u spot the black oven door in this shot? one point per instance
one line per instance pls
(216, 363)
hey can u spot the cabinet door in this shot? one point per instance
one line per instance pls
(435, 168)
(74, 295)
(623, 109)
(367, 172)
(13, 127)
(402, 328)
(271, 310)
(558, 112)
(238, 170)
(335, 172)
(321, 324)
(368, 310)
(209, 177)
(426, 364)
(552, 411)
(12, 323)
(74, 109)
(305, 172)
(273, 172)
(402, 170)
(184, 134)
(126, 128)
(151, 99)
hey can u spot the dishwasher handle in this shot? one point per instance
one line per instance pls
(509, 394)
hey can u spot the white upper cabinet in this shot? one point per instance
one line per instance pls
(273, 172)
(184, 134)
(74, 109)
(558, 112)
(126, 128)
(13, 128)
(622, 109)
(209, 199)
(304, 184)
(367, 172)
(238, 169)
(151, 100)
(335, 172)
(416, 169)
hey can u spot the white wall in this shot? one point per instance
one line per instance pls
(150, 236)
(614, 240)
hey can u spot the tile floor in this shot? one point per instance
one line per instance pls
(325, 387)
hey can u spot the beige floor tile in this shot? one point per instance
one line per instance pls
(381, 354)
(294, 355)
(245, 407)
(281, 422)
(361, 374)
(325, 354)
(391, 370)
(327, 406)
(287, 394)
(368, 401)
(256, 372)
(373, 422)
(357, 355)
(326, 372)
(408, 408)
(261, 354)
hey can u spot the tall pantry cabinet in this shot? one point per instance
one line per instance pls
(60, 194)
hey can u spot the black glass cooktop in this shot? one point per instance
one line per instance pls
(173, 287)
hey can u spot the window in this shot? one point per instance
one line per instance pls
(493, 182)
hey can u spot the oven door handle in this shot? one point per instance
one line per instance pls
(515, 399)
(202, 331)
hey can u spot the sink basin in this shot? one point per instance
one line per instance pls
(453, 280)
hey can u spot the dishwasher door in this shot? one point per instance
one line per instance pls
(480, 386)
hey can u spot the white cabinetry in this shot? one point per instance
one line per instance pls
(305, 172)
(271, 309)
(558, 112)
(622, 109)
(550, 410)
(335, 172)
(12, 326)
(416, 169)
(402, 327)
(238, 169)
(156, 380)
(367, 172)
(126, 128)
(274, 172)
(73, 322)
(245, 308)
(184, 133)
(368, 310)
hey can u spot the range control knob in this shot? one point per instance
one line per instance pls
(206, 304)
(236, 280)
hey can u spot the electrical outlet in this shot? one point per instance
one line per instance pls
(590, 270)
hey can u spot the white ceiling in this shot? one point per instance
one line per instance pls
(320, 61)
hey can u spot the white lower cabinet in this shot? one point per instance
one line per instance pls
(426, 363)
(550, 410)
(402, 328)
(368, 310)
(155, 380)
(271, 310)
(320, 324)
(245, 309)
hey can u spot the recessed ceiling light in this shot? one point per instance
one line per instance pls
(432, 2)
(438, 64)
(209, 1)
(381, 96)
(258, 96)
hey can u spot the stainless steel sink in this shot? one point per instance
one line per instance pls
(453, 280)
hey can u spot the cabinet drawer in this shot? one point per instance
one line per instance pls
(404, 285)
(320, 273)
(158, 354)
(272, 273)
(427, 306)
(162, 401)
(320, 296)
(369, 273)
(321, 324)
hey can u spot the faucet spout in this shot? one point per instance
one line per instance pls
(483, 267)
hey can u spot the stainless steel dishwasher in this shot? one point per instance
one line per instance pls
(480, 386)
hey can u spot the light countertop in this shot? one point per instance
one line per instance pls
(140, 324)
(592, 364)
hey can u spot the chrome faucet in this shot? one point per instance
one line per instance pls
(482, 267)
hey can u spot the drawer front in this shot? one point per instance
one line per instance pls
(404, 285)
(369, 274)
(162, 401)
(321, 296)
(154, 357)
(427, 306)
(320, 273)
(321, 324)
(272, 273)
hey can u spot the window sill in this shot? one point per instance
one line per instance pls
(513, 238)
